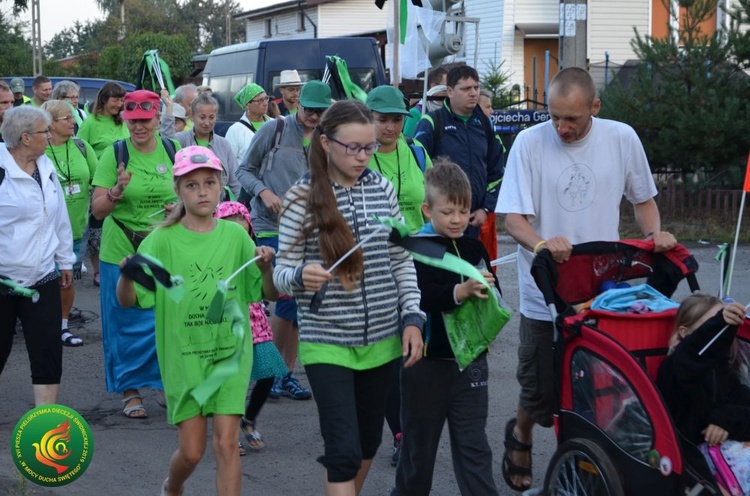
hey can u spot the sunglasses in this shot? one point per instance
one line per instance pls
(145, 106)
(316, 111)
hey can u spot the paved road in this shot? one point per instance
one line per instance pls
(130, 456)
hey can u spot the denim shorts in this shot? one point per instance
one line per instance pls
(286, 305)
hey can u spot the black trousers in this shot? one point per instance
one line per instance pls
(433, 391)
(41, 329)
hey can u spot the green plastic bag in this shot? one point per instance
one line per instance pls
(474, 325)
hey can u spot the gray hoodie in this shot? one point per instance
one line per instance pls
(281, 167)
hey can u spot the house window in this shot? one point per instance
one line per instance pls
(300, 21)
(267, 23)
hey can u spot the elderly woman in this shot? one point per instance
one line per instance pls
(75, 163)
(204, 110)
(254, 100)
(35, 235)
(70, 92)
(130, 198)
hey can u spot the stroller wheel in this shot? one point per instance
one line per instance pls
(580, 467)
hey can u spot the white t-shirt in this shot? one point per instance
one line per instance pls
(572, 190)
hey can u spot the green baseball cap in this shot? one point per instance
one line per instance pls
(315, 94)
(386, 100)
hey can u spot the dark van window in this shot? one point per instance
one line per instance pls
(224, 89)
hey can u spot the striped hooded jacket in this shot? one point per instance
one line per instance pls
(387, 297)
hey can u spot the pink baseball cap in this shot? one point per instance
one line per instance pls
(190, 158)
(232, 208)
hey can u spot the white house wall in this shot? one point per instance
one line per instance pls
(490, 30)
(350, 17)
(283, 26)
(538, 11)
(610, 28)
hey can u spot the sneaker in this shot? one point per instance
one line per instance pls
(83, 268)
(275, 389)
(291, 388)
(396, 454)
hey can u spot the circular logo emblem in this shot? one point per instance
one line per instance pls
(576, 188)
(161, 169)
(52, 445)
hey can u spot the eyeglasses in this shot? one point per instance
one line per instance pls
(46, 131)
(263, 99)
(316, 111)
(69, 97)
(145, 106)
(67, 118)
(354, 149)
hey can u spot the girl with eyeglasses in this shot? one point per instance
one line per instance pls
(369, 314)
(75, 164)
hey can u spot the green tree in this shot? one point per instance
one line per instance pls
(688, 100)
(17, 57)
(495, 80)
(122, 61)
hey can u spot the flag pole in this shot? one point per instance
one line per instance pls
(395, 69)
(745, 189)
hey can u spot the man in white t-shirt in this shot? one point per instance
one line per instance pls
(563, 185)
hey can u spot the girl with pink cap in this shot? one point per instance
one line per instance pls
(203, 250)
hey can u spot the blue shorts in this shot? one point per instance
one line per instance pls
(286, 305)
(77, 246)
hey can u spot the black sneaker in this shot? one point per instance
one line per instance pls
(396, 454)
(291, 388)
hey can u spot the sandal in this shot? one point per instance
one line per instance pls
(129, 411)
(96, 279)
(252, 436)
(164, 488)
(241, 449)
(509, 468)
(70, 339)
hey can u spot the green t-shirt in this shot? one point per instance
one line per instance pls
(151, 187)
(203, 143)
(402, 170)
(74, 172)
(351, 357)
(101, 131)
(186, 344)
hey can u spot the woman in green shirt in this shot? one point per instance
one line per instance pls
(395, 159)
(103, 127)
(75, 163)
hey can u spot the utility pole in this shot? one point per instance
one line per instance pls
(228, 27)
(573, 22)
(36, 38)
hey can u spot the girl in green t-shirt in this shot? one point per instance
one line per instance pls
(203, 250)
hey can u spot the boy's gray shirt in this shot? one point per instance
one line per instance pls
(289, 163)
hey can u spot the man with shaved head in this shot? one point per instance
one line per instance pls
(563, 185)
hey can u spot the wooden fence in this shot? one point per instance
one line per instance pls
(676, 202)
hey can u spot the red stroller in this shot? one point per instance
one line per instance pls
(615, 435)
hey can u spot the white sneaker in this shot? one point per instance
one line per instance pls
(83, 268)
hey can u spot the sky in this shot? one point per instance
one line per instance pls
(57, 15)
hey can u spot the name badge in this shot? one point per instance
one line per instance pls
(72, 189)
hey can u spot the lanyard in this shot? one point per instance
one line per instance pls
(69, 177)
(398, 170)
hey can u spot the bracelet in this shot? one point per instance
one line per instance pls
(112, 197)
(538, 245)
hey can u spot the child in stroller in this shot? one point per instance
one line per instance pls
(700, 384)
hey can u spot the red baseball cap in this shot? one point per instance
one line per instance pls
(140, 104)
